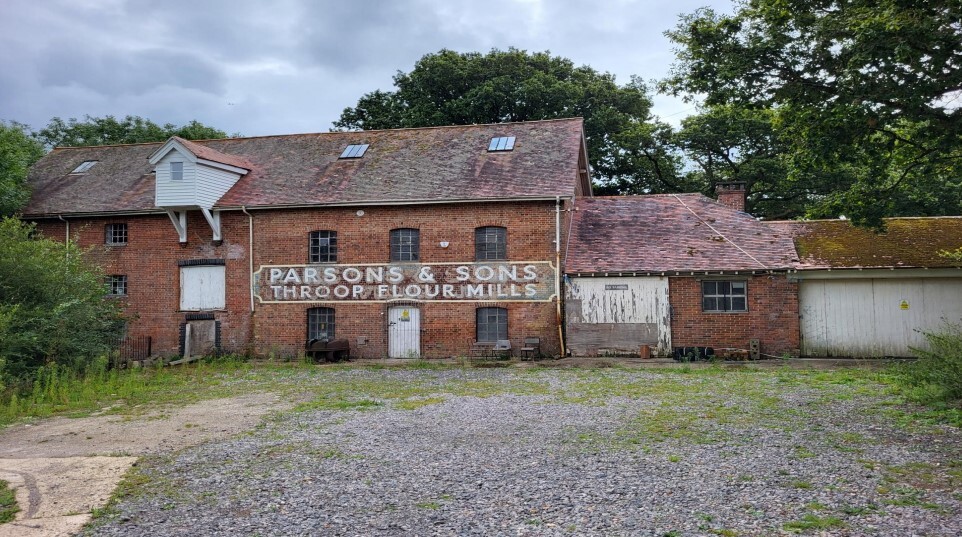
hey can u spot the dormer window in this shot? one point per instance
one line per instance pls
(501, 143)
(84, 166)
(176, 171)
(354, 151)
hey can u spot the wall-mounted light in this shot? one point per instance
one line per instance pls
(360, 212)
(444, 244)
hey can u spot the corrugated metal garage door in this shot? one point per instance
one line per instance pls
(874, 317)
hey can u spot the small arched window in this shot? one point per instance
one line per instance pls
(492, 324)
(490, 242)
(405, 244)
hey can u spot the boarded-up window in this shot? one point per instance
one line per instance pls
(202, 287)
(405, 244)
(322, 247)
(492, 324)
(490, 242)
(724, 296)
(320, 324)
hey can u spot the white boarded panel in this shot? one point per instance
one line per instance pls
(875, 317)
(617, 314)
(202, 288)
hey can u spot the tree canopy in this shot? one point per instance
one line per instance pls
(17, 152)
(450, 88)
(109, 130)
(865, 95)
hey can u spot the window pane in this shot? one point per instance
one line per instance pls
(708, 288)
(322, 247)
(738, 303)
(490, 243)
(405, 244)
(738, 288)
(492, 324)
(115, 234)
(709, 304)
(176, 171)
(320, 324)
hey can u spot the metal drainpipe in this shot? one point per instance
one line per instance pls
(67, 233)
(250, 251)
(557, 271)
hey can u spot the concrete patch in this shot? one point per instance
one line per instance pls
(56, 495)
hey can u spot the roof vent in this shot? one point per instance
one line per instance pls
(84, 166)
(354, 151)
(501, 143)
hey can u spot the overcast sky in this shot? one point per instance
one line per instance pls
(275, 67)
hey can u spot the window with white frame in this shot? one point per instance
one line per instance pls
(724, 296)
(176, 171)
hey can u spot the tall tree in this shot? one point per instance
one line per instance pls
(17, 152)
(109, 130)
(866, 92)
(446, 88)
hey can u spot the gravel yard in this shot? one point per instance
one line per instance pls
(563, 452)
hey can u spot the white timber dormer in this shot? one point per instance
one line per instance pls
(189, 176)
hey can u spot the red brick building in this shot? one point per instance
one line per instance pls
(412, 242)
(678, 271)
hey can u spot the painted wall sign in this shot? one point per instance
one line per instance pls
(524, 282)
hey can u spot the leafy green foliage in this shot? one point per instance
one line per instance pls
(625, 144)
(17, 152)
(109, 130)
(865, 95)
(8, 503)
(936, 377)
(52, 305)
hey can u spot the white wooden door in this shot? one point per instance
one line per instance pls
(875, 317)
(618, 314)
(404, 332)
(202, 288)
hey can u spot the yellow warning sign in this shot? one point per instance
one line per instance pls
(406, 316)
(904, 305)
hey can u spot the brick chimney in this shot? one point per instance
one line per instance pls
(732, 194)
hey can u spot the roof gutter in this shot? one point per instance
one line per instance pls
(363, 203)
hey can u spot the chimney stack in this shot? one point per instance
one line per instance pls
(732, 194)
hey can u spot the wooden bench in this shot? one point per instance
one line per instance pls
(328, 351)
(482, 349)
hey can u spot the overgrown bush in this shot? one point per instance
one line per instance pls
(936, 377)
(52, 306)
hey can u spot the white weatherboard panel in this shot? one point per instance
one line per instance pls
(171, 193)
(202, 288)
(619, 311)
(404, 332)
(875, 317)
(212, 184)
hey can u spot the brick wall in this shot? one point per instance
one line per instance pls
(150, 261)
(772, 316)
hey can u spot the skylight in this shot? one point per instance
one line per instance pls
(86, 165)
(354, 151)
(502, 143)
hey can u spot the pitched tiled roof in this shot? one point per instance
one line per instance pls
(669, 232)
(905, 243)
(439, 163)
(207, 153)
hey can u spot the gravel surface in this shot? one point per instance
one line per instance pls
(605, 452)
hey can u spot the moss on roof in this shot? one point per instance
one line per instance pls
(904, 243)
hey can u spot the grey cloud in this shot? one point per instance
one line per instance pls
(116, 72)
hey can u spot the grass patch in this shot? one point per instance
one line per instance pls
(414, 404)
(811, 522)
(8, 503)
